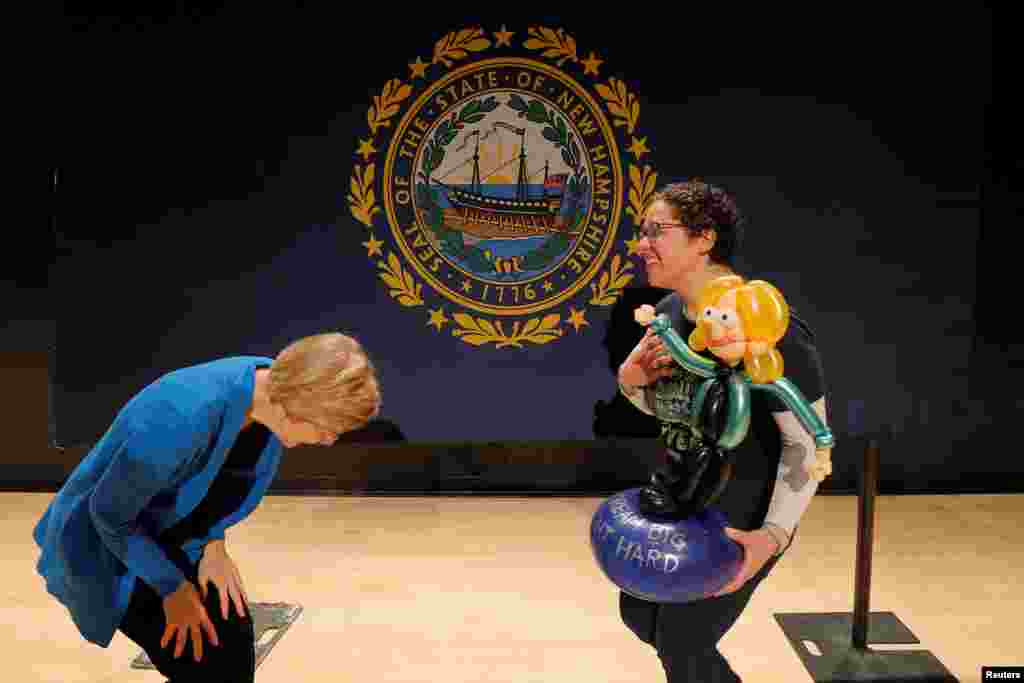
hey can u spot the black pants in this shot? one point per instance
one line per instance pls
(233, 661)
(686, 635)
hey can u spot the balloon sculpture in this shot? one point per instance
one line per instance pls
(666, 542)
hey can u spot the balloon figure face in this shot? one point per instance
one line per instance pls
(742, 322)
(723, 329)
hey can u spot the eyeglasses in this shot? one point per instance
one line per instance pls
(652, 229)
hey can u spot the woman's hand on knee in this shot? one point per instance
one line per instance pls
(217, 567)
(186, 617)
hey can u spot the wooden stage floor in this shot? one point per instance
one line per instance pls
(504, 589)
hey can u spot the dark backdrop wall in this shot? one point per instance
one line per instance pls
(206, 157)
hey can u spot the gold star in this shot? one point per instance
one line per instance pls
(591, 63)
(437, 318)
(548, 286)
(577, 318)
(504, 37)
(419, 68)
(373, 247)
(632, 245)
(467, 286)
(638, 148)
(366, 149)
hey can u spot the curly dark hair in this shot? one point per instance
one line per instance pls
(701, 206)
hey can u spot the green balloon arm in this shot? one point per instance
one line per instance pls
(681, 351)
(699, 397)
(738, 423)
(787, 392)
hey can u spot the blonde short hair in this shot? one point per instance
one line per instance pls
(327, 379)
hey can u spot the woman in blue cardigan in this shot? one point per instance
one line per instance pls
(134, 540)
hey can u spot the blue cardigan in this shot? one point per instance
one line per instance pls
(149, 470)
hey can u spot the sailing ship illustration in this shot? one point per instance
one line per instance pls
(482, 216)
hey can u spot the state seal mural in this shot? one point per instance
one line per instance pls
(500, 186)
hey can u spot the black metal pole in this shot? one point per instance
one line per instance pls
(845, 660)
(865, 538)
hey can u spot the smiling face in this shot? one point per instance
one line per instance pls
(671, 253)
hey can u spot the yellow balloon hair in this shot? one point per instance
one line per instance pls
(764, 312)
(764, 368)
(765, 316)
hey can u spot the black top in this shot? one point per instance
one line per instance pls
(748, 495)
(228, 490)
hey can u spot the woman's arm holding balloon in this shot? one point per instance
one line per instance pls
(794, 489)
(795, 484)
(646, 364)
(637, 395)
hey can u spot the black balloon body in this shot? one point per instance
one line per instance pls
(666, 542)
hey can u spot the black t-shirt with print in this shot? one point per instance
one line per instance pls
(755, 466)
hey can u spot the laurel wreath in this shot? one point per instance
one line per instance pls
(458, 44)
(361, 198)
(386, 104)
(643, 184)
(611, 283)
(622, 105)
(479, 331)
(556, 44)
(404, 288)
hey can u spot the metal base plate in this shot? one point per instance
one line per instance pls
(266, 616)
(840, 662)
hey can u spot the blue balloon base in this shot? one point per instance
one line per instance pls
(659, 560)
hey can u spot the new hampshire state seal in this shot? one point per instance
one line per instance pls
(496, 184)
